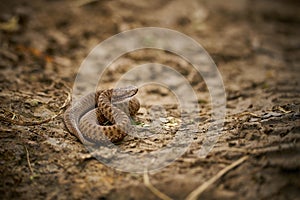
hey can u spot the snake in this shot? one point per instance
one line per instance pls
(102, 116)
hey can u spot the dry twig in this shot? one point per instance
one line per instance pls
(154, 190)
(28, 160)
(199, 190)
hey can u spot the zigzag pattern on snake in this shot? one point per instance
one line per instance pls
(86, 117)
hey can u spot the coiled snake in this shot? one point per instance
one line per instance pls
(85, 117)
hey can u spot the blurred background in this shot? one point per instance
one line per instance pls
(254, 43)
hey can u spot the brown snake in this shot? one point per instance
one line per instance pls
(84, 117)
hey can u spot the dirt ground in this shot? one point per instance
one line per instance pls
(254, 43)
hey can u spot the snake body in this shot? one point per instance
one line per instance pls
(85, 117)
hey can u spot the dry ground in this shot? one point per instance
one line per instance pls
(255, 45)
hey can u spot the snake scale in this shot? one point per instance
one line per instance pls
(86, 117)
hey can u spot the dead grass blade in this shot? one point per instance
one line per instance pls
(199, 190)
(154, 190)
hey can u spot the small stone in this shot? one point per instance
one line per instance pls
(163, 120)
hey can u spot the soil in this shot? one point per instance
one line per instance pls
(255, 45)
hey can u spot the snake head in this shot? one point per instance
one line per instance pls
(120, 95)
